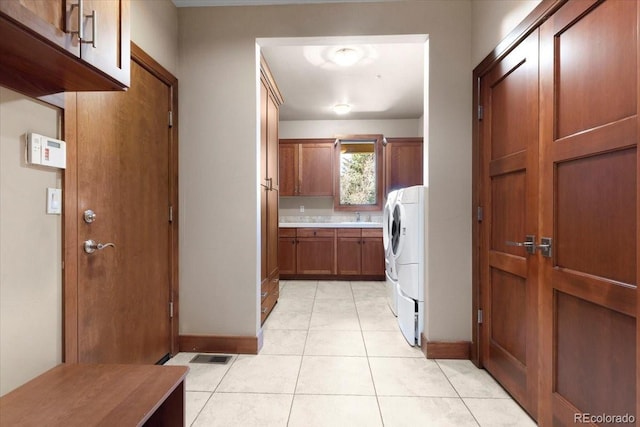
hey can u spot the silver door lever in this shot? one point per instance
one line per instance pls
(529, 243)
(90, 246)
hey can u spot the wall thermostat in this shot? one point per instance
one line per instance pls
(45, 151)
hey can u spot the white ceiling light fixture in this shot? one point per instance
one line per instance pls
(341, 108)
(346, 56)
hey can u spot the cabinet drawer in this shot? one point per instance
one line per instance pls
(316, 232)
(372, 232)
(348, 232)
(287, 232)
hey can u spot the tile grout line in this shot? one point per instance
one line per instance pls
(366, 352)
(457, 392)
(306, 337)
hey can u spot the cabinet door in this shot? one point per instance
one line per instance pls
(349, 256)
(109, 36)
(315, 175)
(288, 169)
(372, 256)
(403, 163)
(287, 255)
(315, 255)
(46, 18)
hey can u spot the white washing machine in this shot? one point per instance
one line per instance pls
(408, 246)
(391, 274)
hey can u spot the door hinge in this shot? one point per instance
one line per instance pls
(480, 316)
(171, 309)
(479, 214)
(480, 112)
(170, 213)
(170, 119)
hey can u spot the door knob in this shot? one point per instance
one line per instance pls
(90, 246)
(89, 216)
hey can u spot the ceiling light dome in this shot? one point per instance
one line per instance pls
(341, 108)
(346, 56)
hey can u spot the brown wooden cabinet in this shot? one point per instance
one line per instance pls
(270, 100)
(306, 167)
(349, 249)
(315, 251)
(360, 252)
(329, 253)
(41, 55)
(287, 251)
(403, 163)
(372, 252)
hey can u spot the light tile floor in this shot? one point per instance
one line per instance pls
(333, 356)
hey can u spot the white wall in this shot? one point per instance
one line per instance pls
(154, 28)
(218, 182)
(30, 240)
(492, 21)
(30, 247)
(332, 128)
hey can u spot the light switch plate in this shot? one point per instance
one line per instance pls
(54, 201)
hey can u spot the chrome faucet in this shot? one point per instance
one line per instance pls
(357, 216)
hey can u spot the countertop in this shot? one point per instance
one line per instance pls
(352, 224)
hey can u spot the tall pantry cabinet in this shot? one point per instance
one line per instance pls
(557, 226)
(270, 101)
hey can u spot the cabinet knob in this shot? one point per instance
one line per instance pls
(314, 233)
(293, 242)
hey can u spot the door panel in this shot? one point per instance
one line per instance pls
(123, 175)
(509, 94)
(589, 132)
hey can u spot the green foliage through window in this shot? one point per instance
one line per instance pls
(358, 174)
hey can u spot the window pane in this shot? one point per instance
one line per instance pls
(358, 173)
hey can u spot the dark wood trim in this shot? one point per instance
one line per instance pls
(446, 350)
(526, 27)
(70, 201)
(306, 140)
(70, 233)
(219, 344)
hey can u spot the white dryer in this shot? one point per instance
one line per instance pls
(388, 226)
(408, 246)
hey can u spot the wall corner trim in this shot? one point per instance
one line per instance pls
(446, 350)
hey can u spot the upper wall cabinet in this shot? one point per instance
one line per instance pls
(306, 167)
(55, 46)
(403, 163)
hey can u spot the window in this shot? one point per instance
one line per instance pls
(359, 173)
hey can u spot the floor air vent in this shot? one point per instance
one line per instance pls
(210, 358)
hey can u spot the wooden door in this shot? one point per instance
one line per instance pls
(288, 168)
(264, 188)
(273, 193)
(372, 253)
(287, 255)
(509, 174)
(125, 175)
(403, 159)
(349, 251)
(315, 168)
(589, 135)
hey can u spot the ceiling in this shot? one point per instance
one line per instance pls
(386, 83)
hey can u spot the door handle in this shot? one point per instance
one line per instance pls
(90, 246)
(529, 243)
(545, 246)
